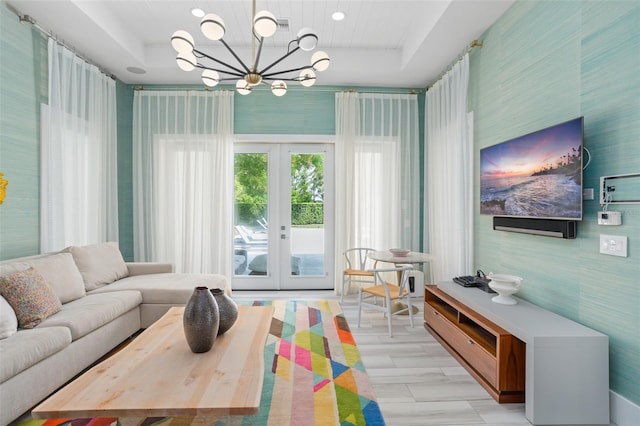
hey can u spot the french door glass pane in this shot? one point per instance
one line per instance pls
(307, 214)
(251, 219)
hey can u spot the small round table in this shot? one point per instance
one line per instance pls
(413, 257)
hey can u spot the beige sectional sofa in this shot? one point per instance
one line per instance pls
(99, 301)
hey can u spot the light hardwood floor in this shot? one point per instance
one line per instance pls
(416, 381)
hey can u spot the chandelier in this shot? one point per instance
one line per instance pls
(247, 77)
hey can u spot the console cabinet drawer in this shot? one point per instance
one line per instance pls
(477, 357)
(470, 350)
(491, 355)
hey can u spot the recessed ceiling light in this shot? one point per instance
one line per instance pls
(136, 70)
(337, 16)
(197, 12)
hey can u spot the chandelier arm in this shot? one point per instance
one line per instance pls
(236, 74)
(289, 45)
(296, 79)
(204, 55)
(275, 73)
(283, 57)
(235, 56)
(230, 78)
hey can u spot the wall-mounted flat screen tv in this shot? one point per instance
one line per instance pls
(538, 175)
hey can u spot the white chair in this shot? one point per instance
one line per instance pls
(389, 292)
(355, 270)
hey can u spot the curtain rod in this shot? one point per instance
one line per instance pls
(399, 92)
(474, 43)
(48, 33)
(315, 89)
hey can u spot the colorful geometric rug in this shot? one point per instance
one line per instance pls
(313, 376)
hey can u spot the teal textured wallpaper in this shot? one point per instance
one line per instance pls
(544, 63)
(124, 100)
(299, 112)
(22, 83)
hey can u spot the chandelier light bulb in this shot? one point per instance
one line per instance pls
(307, 39)
(279, 88)
(307, 78)
(243, 87)
(186, 61)
(212, 27)
(265, 24)
(210, 77)
(182, 41)
(320, 61)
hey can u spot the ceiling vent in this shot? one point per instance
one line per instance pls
(283, 25)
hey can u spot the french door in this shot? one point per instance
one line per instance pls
(283, 216)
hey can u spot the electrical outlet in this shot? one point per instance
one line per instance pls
(614, 245)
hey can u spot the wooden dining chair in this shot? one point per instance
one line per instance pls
(389, 292)
(355, 270)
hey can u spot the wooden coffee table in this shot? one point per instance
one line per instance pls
(158, 375)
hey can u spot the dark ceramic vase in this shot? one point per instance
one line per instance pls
(228, 310)
(201, 320)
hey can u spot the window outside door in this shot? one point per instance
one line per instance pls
(283, 216)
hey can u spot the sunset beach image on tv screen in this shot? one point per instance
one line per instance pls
(538, 175)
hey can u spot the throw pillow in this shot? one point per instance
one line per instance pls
(8, 320)
(99, 264)
(30, 297)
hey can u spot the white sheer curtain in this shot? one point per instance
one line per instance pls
(449, 175)
(79, 198)
(377, 170)
(183, 179)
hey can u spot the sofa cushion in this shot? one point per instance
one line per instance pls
(172, 289)
(82, 316)
(59, 271)
(10, 266)
(100, 264)
(28, 347)
(62, 275)
(8, 320)
(30, 297)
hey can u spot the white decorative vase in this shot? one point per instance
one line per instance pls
(505, 286)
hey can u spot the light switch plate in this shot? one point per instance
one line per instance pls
(587, 194)
(614, 245)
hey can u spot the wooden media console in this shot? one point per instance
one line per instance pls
(494, 357)
(559, 368)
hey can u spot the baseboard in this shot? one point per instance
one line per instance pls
(623, 412)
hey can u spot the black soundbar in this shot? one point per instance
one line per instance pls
(558, 228)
